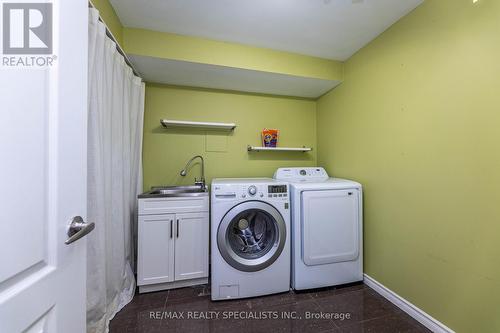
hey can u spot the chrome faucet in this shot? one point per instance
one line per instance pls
(201, 182)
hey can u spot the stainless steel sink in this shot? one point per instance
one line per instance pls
(175, 191)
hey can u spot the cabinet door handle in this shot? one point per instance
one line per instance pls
(177, 228)
(171, 228)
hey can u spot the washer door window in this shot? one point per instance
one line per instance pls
(251, 236)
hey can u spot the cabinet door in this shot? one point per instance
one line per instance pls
(191, 246)
(155, 257)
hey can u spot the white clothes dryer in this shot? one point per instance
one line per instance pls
(327, 228)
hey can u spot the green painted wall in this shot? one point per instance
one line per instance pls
(165, 151)
(109, 16)
(417, 121)
(201, 50)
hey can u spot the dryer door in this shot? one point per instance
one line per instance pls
(330, 226)
(251, 236)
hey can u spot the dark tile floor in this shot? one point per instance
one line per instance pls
(352, 308)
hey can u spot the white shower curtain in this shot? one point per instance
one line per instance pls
(116, 110)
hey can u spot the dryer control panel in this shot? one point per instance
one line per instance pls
(301, 174)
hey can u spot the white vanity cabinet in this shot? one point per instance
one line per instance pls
(173, 242)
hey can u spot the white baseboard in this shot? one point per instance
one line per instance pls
(419, 315)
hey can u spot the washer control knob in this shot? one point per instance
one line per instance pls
(303, 172)
(252, 190)
(261, 194)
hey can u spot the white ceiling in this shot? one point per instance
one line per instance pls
(333, 29)
(190, 74)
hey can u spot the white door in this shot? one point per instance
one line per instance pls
(43, 133)
(330, 226)
(156, 235)
(191, 246)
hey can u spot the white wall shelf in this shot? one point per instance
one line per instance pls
(302, 149)
(196, 124)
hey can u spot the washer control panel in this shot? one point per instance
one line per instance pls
(260, 191)
(278, 191)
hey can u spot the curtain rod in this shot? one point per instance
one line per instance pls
(118, 46)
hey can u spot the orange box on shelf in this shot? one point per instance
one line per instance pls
(270, 137)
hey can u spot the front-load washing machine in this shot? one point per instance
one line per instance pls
(250, 238)
(327, 228)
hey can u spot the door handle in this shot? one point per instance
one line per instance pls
(177, 228)
(78, 229)
(171, 228)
